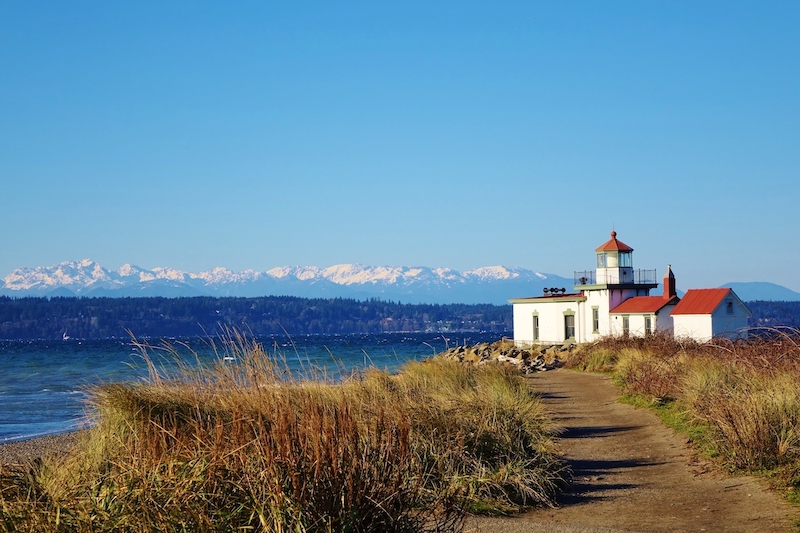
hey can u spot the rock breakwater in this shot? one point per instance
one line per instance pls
(526, 360)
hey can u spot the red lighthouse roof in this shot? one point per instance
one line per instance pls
(614, 245)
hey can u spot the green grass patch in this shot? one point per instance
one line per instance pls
(679, 419)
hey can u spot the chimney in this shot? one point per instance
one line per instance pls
(669, 284)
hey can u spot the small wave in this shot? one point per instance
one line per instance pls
(16, 437)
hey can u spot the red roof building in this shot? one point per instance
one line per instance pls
(645, 314)
(703, 314)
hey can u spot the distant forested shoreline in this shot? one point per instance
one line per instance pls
(774, 314)
(96, 318)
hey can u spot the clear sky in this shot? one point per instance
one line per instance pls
(442, 134)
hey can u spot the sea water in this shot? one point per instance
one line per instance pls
(44, 385)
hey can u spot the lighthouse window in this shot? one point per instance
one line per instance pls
(601, 260)
(625, 259)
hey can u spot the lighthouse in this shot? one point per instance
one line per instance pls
(614, 300)
(586, 314)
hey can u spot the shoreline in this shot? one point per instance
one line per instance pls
(24, 451)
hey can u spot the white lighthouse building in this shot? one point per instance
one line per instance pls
(614, 299)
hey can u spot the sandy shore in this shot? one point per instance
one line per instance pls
(21, 452)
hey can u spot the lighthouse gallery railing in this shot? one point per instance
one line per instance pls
(589, 277)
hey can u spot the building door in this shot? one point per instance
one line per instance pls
(626, 325)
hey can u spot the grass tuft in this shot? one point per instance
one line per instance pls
(242, 445)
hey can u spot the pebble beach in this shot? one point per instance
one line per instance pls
(24, 451)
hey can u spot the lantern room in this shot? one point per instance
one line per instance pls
(614, 261)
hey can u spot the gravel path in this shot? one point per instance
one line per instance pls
(633, 474)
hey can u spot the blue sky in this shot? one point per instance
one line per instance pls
(441, 134)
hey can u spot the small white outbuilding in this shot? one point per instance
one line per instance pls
(706, 313)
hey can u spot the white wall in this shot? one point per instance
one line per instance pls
(660, 321)
(606, 300)
(636, 325)
(617, 296)
(697, 327)
(597, 299)
(613, 275)
(664, 321)
(523, 323)
(551, 321)
(733, 325)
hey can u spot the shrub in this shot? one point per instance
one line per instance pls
(755, 416)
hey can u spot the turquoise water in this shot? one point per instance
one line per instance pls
(43, 384)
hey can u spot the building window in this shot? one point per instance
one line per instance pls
(595, 320)
(601, 260)
(626, 325)
(648, 326)
(535, 327)
(730, 308)
(569, 327)
(625, 259)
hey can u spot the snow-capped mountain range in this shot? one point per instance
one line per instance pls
(495, 284)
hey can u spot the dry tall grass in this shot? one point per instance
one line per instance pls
(746, 393)
(244, 446)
